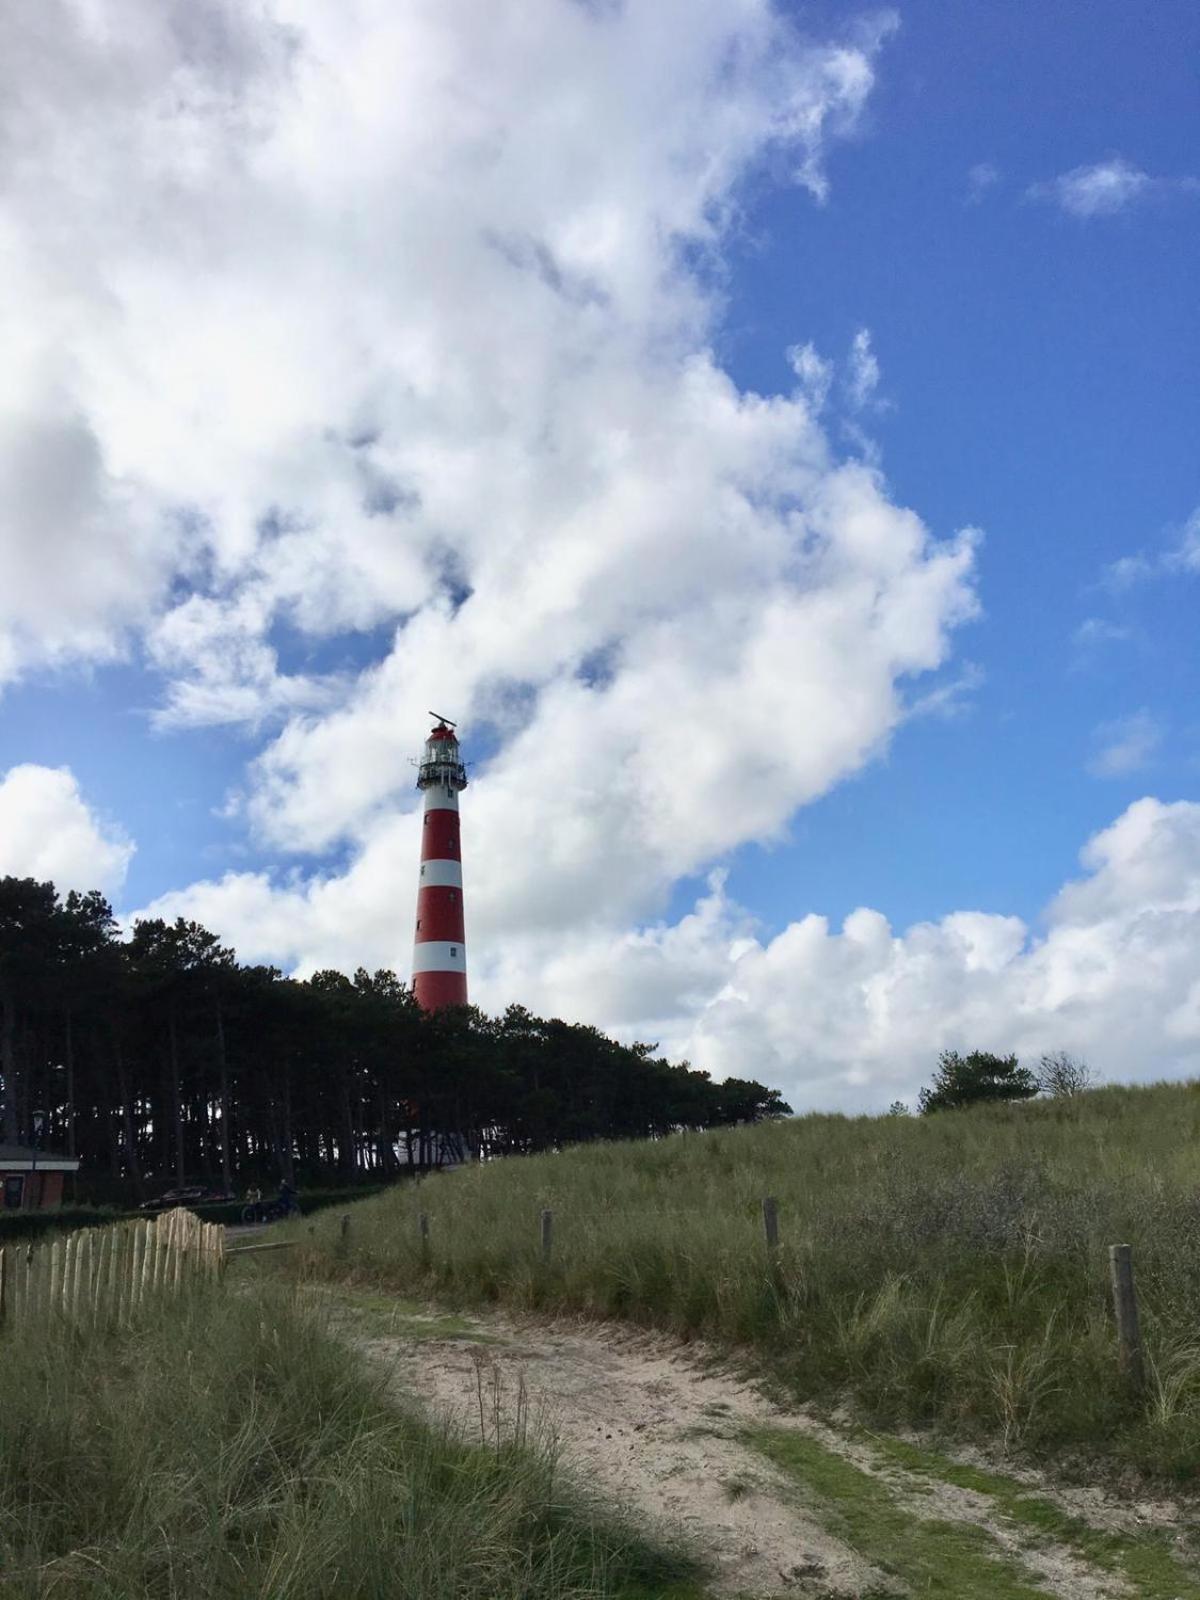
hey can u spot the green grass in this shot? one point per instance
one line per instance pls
(231, 1449)
(387, 1315)
(949, 1270)
(935, 1559)
(1148, 1560)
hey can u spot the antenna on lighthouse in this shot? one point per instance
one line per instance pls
(441, 718)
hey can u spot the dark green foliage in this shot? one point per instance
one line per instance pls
(28, 1226)
(310, 1201)
(31, 1225)
(160, 1062)
(975, 1078)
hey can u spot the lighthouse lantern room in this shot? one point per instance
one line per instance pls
(439, 970)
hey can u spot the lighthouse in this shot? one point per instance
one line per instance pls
(439, 969)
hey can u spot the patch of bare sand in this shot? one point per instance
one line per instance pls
(655, 1425)
(637, 1419)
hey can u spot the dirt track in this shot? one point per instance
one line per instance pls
(661, 1429)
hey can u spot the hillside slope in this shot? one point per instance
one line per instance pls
(949, 1270)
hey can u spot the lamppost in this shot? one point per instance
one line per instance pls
(38, 1119)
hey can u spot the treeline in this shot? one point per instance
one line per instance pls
(158, 1058)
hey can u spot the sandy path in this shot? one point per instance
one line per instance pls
(640, 1421)
(654, 1425)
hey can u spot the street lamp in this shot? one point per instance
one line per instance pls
(38, 1119)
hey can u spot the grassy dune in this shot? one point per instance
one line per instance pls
(950, 1270)
(230, 1450)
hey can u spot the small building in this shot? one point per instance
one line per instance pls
(32, 1180)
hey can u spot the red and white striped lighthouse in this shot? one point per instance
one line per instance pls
(439, 969)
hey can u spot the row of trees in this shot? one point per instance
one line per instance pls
(159, 1058)
(980, 1077)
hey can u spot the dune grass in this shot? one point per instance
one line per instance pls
(934, 1558)
(1155, 1562)
(229, 1449)
(948, 1270)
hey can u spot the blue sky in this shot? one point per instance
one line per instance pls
(989, 245)
(1039, 381)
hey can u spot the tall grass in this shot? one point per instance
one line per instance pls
(229, 1449)
(949, 1270)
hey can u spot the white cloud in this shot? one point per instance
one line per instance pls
(1105, 188)
(858, 1015)
(1100, 190)
(848, 1017)
(273, 392)
(221, 669)
(1093, 632)
(814, 372)
(386, 315)
(1126, 572)
(48, 832)
(952, 698)
(1125, 745)
(1184, 555)
(1180, 557)
(309, 302)
(396, 308)
(863, 376)
(982, 177)
(398, 317)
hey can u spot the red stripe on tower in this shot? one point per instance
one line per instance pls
(439, 949)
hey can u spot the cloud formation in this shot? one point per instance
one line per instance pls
(400, 317)
(1125, 745)
(851, 1016)
(1093, 632)
(320, 296)
(1105, 188)
(395, 324)
(48, 832)
(847, 1017)
(1180, 558)
(982, 177)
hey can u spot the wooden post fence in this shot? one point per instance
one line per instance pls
(1129, 1331)
(101, 1276)
(770, 1216)
(547, 1232)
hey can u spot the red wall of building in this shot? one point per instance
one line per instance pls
(40, 1191)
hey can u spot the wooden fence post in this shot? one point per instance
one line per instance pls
(97, 1283)
(423, 1230)
(1129, 1333)
(547, 1234)
(770, 1216)
(82, 1289)
(69, 1252)
(96, 1277)
(54, 1298)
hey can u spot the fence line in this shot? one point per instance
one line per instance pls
(101, 1276)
